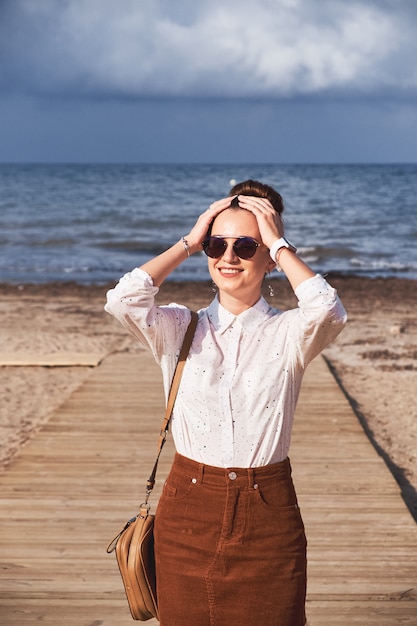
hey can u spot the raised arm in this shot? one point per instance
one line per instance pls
(161, 266)
(271, 229)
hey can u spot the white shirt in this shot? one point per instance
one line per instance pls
(240, 385)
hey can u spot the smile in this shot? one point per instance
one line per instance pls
(229, 271)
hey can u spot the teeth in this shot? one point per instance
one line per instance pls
(229, 271)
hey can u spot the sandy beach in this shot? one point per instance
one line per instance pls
(374, 359)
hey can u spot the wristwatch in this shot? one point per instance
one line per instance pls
(277, 245)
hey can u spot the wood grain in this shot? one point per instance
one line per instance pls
(76, 482)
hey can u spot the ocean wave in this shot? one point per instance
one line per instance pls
(93, 223)
(382, 265)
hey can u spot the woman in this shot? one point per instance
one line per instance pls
(229, 538)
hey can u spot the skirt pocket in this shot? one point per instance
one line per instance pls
(177, 487)
(276, 495)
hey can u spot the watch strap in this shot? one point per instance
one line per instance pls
(277, 245)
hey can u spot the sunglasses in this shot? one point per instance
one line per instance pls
(243, 247)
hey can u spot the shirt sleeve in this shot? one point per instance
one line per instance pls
(321, 317)
(159, 328)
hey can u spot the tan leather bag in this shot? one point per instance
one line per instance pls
(134, 544)
(136, 559)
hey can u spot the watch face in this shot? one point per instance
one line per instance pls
(289, 245)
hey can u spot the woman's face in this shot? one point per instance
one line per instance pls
(238, 279)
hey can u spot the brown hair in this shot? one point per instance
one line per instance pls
(255, 188)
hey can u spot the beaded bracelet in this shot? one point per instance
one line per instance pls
(186, 246)
(279, 268)
(279, 254)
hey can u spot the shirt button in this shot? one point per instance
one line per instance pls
(232, 475)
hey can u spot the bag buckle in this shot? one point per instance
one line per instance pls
(144, 509)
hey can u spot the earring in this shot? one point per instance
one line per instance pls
(213, 286)
(270, 287)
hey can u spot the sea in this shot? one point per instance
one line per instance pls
(91, 223)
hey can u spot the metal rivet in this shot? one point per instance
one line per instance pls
(255, 486)
(194, 480)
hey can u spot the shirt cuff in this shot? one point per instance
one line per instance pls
(138, 280)
(311, 287)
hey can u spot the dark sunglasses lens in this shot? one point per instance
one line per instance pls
(245, 247)
(214, 247)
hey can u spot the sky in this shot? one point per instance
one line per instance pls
(208, 81)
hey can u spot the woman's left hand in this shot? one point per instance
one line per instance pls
(270, 224)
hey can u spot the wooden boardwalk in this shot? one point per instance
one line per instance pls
(75, 483)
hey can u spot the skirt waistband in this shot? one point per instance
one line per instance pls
(200, 472)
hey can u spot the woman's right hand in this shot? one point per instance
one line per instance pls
(198, 232)
(161, 266)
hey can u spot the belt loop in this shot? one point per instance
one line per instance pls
(200, 473)
(251, 481)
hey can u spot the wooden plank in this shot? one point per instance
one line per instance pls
(50, 359)
(72, 487)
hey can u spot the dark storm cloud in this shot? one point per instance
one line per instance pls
(218, 48)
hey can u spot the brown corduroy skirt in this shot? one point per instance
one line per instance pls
(230, 547)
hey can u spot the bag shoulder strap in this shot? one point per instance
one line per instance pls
(172, 396)
(176, 379)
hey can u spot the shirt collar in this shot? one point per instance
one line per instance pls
(221, 319)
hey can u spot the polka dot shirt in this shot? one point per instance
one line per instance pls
(236, 402)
